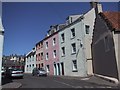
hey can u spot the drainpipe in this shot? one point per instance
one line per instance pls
(83, 47)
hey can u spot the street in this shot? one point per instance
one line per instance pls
(30, 81)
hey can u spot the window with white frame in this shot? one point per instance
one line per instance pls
(62, 37)
(42, 56)
(32, 65)
(74, 65)
(39, 57)
(27, 67)
(41, 44)
(106, 43)
(72, 32)
(54, 41)
(30, 59)
(73, 48)
(47, 68)
(54, 53)
(46, 45)
(46, 56)
(41, 64)
(87, 29)
(63, 51)
(33, 58)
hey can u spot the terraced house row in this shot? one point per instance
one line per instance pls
(80, 46)
(86, 44)
(66, 49)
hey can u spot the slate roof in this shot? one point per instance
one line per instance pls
(112, 19)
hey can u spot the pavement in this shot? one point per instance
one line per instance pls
(12, 85)
(95, 80)
(90, 79)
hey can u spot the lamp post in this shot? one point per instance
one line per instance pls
(1, 41)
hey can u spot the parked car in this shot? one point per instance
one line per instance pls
(39, 72)
(14, 72)
(3, 71)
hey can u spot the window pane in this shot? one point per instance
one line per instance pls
(73, 48)
(74, 64)
(63, 51)
(72, 32)
(87, 29)
(62, 37)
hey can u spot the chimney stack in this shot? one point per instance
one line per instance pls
(93, 4)
(97, 6)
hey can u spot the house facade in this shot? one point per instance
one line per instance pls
(75, 45)
(51, 51)
(106, 45)
(39, 55)
(30, 62)
(66, 49)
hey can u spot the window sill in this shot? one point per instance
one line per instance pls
(62, 42)
(72, 38)
(73, 53)
(74, 70)
(63, 56)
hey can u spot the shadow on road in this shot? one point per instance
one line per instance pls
(6, 80)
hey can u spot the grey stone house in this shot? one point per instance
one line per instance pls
(106, 45)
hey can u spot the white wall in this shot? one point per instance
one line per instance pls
(89, 20)
(116, 38)
(79, 56)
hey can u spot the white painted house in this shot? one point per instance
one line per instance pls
(75, 44)
(30, 62)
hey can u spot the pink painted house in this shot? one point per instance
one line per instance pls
(51, 51)
(39, 55)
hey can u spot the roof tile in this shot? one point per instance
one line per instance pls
(113, 19)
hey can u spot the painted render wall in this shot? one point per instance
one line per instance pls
(38, 58)
(82, 53)
(89, 20)
(116, 37)
(51, 60)
(104, 60)
(79, 56)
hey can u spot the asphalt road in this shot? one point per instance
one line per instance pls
(30, 81)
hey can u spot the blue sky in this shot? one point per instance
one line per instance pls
(26, 23)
